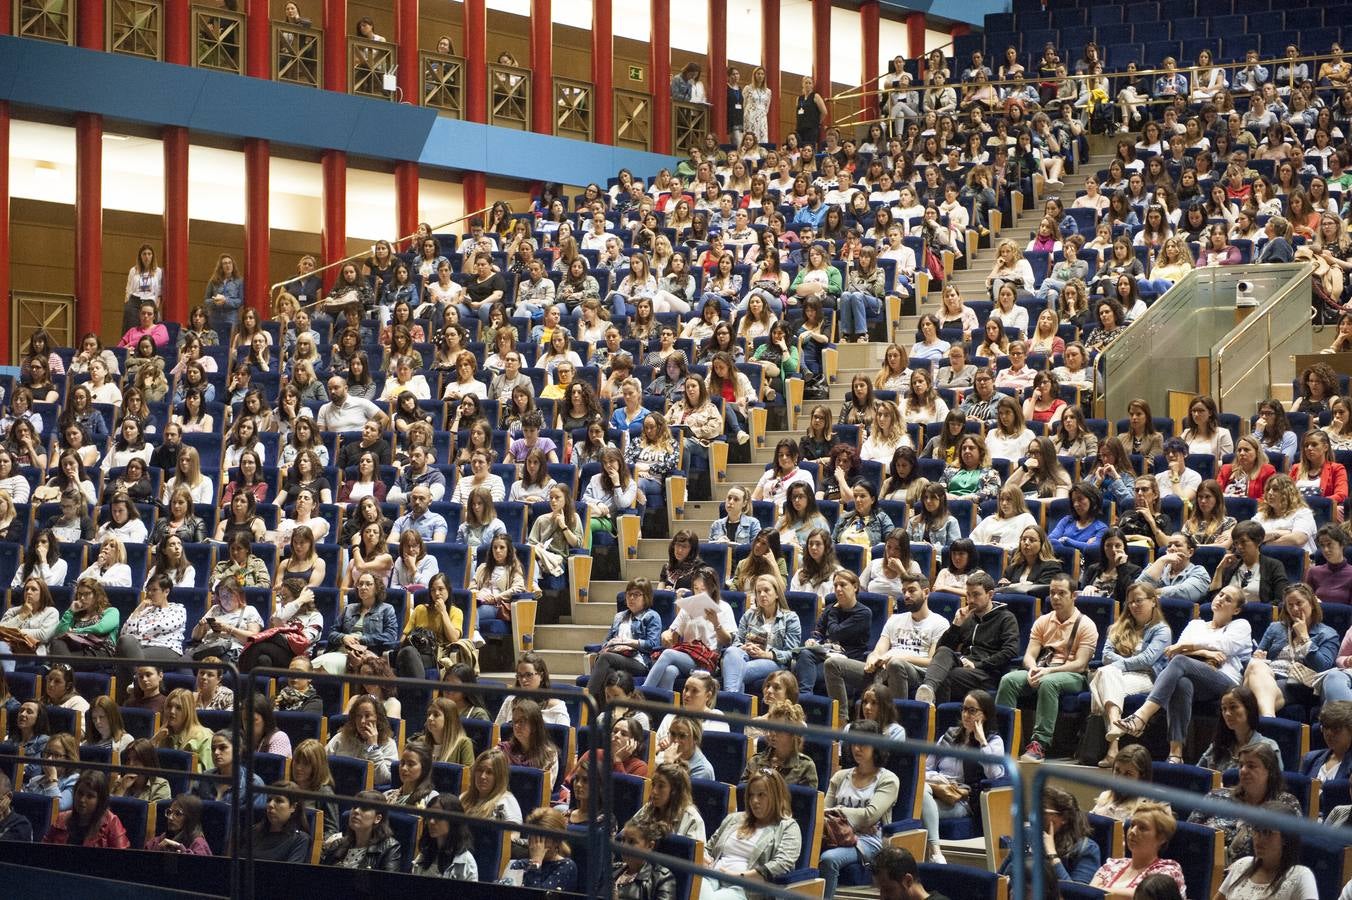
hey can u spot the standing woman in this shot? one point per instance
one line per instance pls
(1132, 656)
(224, 295)
(809, 114)
(145, 281)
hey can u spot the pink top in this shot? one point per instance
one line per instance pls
(1109, 873)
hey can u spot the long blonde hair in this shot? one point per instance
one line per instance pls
(480, 805)
(1125, 635)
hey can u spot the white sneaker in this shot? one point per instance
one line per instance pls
(743, 437)
(925, 694)
(935, 855)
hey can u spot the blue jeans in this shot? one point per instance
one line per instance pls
(481, 313)
(620, 306)
(1051, 290)
(670, 664)
(709, 297)
(487, 614)
(1337, 685)
(736, 421)
(8, 664)
(808, 668)
(740, 669)
(772, 300)
(838, 858)
(931, 812)
(1182, 682)
(1154, 286)
(652, 490)
(855, 309)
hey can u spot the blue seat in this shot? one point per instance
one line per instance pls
(713, 800)
(1197, 849)
(350, 775)
(300, 726)
(960, 881)
(1191, 779)
(727, 753)
(38, 809)
(135, 817)
(528, 786)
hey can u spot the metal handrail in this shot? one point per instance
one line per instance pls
(275, 288)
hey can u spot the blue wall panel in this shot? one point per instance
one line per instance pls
(70, 79)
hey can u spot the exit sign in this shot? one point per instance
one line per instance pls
(635, 73)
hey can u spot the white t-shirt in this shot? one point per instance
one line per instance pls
(1188, 483)
(917, 638)
(1003, 533)
(1301, 520)
(1296, 884)
(876, 581)
(1002, 447)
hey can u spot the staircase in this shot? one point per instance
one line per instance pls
(561, 644)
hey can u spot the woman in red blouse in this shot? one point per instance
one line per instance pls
(89, 822)
(1317, 467)
(1248, 474)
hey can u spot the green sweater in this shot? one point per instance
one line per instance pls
(105, 627)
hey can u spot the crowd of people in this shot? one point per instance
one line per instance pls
(327, 454)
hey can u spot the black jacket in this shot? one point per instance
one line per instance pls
(352, 452)
(990, 642)
(384, 856)
(1272, 580)
(15, 827)
(1126, 577)
(650, 883)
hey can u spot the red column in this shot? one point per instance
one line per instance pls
(821, 48)
(257, 240)
(603, 72)
(258, 41)
(89, 25)
(542, 66)
(870, 16)
(915, 35)
(177, 34)
(335, 45)
(406, 197)
(333, 165)
(659, 64)
(409, 72)
(770, 62)
(959, 29)
(175, 257)
(88, 223)
(4, 222)
(718, 67)
(476, 194)
(476, 60)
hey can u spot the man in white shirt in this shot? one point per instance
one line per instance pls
(903, 650)
(346, 413)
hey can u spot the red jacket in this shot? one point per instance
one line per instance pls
(110, 832)
(1332, 481)
(1256, 485)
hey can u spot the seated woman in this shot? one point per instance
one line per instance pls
(1294, 650)
(366, 842)
(799, 516)
(1132, 763)
(814, 576)
(1204, 519)
(283, 834)
(1040, 473)
(1082, 528)
(1204, 662)
(766, 639)
(57, 780)
(972, 477)
(951, 784)
(764, 839)
(184, 834)
(367, 622)
(89, 823)
(1006, 525)
(700, 693)
(548, 865)
(1260, 782)
(181, 730)
(669, 805)
(635, 634)
(444, 850)
(1248, 474)
(487, 796)
(35, 618)
(1236, 729)
(1318, 475)
(1145, 523)
(528, 743)
(783, 752)
(1066, 841)
(1133, 655)
(694, 642)
(1152, 826)
(863, 795)
(367, 735)
(866, 524)
(1031, 565)
(1271, 868)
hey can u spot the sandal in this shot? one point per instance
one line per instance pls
(1175, 760)
(1107, 761)
(1132, 726)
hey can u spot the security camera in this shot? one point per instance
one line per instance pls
(1244, 287)
(1244, 295)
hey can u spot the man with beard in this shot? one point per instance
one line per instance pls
(902, 653)
(977, 650)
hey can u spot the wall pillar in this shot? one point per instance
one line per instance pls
(542, 66)
(603, 72)
(257, 237)
(475, 186)
(870, 18)
(175, 257)
(770, 63)
(5, 307)
(335, 45)
(409, 67)
(959, 29)
(333, 236)
(89, 224)
(476, 60)
(177, 34)
(718, 67)
(821, 48)
(915, 35)
(406, 197)
(258, 40)
(659, 65)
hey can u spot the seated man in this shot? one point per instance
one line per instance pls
(418, 471)
(1059, 649)
(903, 651)
(970, 657)
(896, 877)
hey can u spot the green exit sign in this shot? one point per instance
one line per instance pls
(635, 73)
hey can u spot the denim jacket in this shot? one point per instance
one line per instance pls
(1149, 657)
(646, 628)
(379, 632)
(784, 634)
(746, 530)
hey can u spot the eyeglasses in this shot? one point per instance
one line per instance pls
(971, 709)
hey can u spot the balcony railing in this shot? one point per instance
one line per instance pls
(297, 54)
(633, 120)
(218, 39)
(509, 97)
(689, 122)
(368, 62)
(443, 83)
(573, 108)
(46, 20)
(136, 28)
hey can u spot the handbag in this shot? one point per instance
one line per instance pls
(704, 658)
(949, 791)
(17, 640)
(839, 831)
(87, 644)
(1047, 654)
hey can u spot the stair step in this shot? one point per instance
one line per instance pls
(565, 663)
(597, 612)
(569, 637)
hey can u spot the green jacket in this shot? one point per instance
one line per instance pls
(832, 280)
(788, 366)
(105, 627)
